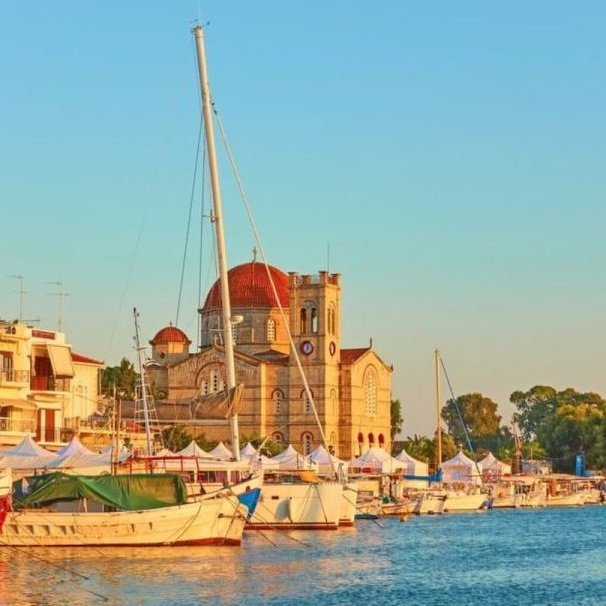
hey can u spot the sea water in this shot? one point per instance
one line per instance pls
(500, 557)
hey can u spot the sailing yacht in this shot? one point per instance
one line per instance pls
(298, 500)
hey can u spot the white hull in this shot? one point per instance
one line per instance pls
(568, 500)
(213, 521)
(463, 502)
(348, 504)
(289, 505)
(429, 503)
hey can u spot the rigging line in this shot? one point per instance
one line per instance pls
(460, 414)
(191, 205)
(253, 226)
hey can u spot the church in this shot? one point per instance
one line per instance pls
(350, 388)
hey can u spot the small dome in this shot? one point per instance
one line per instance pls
(170, 334)
(249, 286)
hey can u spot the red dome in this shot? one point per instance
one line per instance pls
(249, 286)
(170, 334)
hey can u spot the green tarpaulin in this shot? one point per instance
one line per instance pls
(125, 492)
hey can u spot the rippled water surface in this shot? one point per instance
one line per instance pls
(543, 556)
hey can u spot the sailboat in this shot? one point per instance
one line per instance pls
(299, 500)
(443, 498)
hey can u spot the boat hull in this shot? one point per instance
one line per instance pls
(349, 500)
(216, 521)
(286, 505)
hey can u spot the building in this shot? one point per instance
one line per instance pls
(45, 387)
(351, 388)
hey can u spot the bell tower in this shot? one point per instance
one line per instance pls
(315, 310)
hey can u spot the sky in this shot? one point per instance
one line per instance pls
(446, 158)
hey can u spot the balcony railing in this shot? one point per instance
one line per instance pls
(17, 425)
(14, 376)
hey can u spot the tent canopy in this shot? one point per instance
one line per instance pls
(412, 466)
(460, 469)
(221, 452)
(378, 460)
(326, 461)
(290, 459)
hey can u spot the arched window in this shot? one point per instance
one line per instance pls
(333, 402)
(307, 404)
(204, 388)
(278, 398)
(307, 440)
(332, 443)
(271, 330)
(314, 320)
(331, 321)
(303, 320)
(360, 438)
(381, 440)
(371, 439)
(309, 318)
(370, 392)
(278, 438)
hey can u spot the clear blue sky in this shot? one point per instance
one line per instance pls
(451, 154)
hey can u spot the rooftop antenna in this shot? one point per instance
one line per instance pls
(60, 293)
(21, 293)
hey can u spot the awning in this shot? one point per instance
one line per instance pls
(61, 360)
(22, 404)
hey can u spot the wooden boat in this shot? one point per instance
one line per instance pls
(65, 510)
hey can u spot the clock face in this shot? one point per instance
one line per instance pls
(332, 348)
(306, 347)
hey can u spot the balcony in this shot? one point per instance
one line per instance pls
(14, 377)
(10, 425)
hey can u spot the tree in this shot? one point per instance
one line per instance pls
(479, 414)
(175, 438)
(396, 418)
(123, 378)
(534, 406)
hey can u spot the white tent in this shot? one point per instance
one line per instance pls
(491, 467)
(377, 460)
(193, 450)
(413, 467)
(290, 459)
(26, 455)
(248, 451)
(74, 447)
(460, 469)
(221, 452)
(326, 462)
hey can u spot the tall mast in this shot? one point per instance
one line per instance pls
(438, 411)
(228, 341)
(143, 387)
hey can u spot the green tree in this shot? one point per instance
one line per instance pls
(533, 408)
(122, 378)
(396, 418)
(176, 438)
(479, 414)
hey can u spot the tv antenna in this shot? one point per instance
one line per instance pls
(61, 294)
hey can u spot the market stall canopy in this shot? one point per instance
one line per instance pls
(491, 466)
(326, 462)
(460, 469)
(193, 450)
(290, 459)
(377, 460)
(221, 452)
(26, 455)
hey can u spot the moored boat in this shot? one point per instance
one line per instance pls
(66, 510)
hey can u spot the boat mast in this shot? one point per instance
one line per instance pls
(438, 411)
(228, 342)
(143, 385)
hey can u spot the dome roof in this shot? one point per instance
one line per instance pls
(170, 334)
(249, 286)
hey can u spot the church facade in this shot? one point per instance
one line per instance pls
(350, 388)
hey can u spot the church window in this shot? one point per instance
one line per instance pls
(215, 381)
(204, 388)
(307, 403)
(314, 320)
(371, 439)
(278, 399)
(370, 392)
(303, 320)
(332, 323)
(333, 402)
(271, 330)
(307, 441)
(381, 440)
(360, 438)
